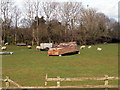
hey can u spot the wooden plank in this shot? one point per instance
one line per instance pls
(7, 82)
(81, 86)
(73, 79)
(113, 78)
(14, 83)
(81, 79)
(46, 80)
(106, 80)
(58, 82)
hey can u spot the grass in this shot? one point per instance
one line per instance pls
(29, 66)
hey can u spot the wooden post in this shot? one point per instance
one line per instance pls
(58, 82)
(46, 80)
(106, 80)
(7, 81)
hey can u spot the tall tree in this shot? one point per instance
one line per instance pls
(6, 8)
(30, 15)
(49, 9)
(16, 15)
(69, 12)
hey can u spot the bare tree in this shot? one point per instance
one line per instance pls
(32, 11)
(16, 15)
(69, 12)
(54, 22)
(6, 8)
(36, 7)
(29, 13)
(49, 9)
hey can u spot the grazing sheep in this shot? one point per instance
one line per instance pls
(37, 47)
(89, 46)
(105, 42)
(82, 47)
(6, 43)
(3, 48)
(99, 49)
(29, 47)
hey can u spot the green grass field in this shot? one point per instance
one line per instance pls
(29, 66)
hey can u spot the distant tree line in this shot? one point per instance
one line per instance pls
(56, 22)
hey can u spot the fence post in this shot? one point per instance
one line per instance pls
(7, 81)
(58, 82)
(106, 80)
(46, 80)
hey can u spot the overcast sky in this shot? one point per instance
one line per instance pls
(108, 7)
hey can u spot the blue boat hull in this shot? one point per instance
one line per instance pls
(5, 53)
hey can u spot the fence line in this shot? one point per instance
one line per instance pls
(106, 79)
(52, 87)
(8, 81)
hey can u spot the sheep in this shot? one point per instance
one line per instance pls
(105, 42)
(99, 49)
(6, 43)
(89, 46)
(37, 47)
(29, 47)
(82, 47)
(3, 48)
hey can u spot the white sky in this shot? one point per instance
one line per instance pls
(108, 7)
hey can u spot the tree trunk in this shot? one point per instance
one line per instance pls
(37, 32)
(33, 37)
(15, 38)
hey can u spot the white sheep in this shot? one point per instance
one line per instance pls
(82, 47)
(3, 48)
(89, 46)
(6, 43)
(105, 42)
(37, 47)
(29, 47)
(99, 49)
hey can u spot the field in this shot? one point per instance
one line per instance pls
(29, 66)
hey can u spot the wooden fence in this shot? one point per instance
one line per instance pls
(106, 79)
(8, 81)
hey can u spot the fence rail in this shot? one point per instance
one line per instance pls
(67, 87)
(8, 81)
(81, 79)
(106, 79)
(58, 79)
